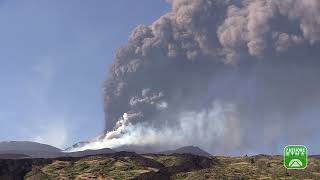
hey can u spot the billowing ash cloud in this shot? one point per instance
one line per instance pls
(228, 76)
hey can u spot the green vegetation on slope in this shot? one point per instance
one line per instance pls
(129, 166)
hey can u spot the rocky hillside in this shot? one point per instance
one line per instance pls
(125, 165)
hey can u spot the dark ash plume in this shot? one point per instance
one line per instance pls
(259, 56)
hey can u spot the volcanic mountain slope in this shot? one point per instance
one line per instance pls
(125, 165)
(26, 146)
(18, 149)
(33, 149)
(136, 148)
(140, 149)
(14, 156)
(187, 149)
(24, 149)
(89, 152)
(150, 150)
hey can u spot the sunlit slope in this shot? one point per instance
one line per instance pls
(177, 166)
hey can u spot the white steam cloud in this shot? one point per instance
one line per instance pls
(205, 128)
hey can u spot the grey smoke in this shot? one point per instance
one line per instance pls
(259, 56)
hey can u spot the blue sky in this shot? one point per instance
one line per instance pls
(54, 57)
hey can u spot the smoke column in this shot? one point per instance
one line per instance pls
(228, 76)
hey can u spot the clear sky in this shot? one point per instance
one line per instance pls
(54, 56)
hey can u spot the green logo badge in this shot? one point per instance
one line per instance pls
(295, 157)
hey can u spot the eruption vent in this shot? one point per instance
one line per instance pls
(225, 75)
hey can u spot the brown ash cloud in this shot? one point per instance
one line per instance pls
(259, 56)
